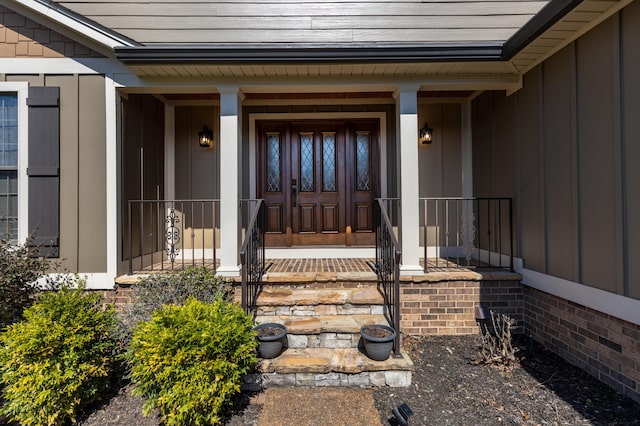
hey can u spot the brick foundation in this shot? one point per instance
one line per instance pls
(606, 347)
(120, 297)
(448, 307)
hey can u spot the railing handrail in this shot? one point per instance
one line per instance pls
(385, 217)
(252, 268)
(392, 301)
(252, 223)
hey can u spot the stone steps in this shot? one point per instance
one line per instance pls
(331, 367)
(278, 296)
(323, 323)
(323, 316)
(324, 331)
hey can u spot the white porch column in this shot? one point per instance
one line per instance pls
(230, 114)
(407, 107)
(169, 152)
(468, 230)
(467, 151)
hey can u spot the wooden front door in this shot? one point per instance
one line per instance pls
(318, 179)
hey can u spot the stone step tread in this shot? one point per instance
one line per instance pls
(325, 360)
(310, 277)
(324, 323)
(312, 297)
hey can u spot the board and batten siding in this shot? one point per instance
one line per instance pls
(196, 167)
(575, 149)
(241, 21)
(83, 225)
(440, 162)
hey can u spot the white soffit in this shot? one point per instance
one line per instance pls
(583, 18)
(333, 70)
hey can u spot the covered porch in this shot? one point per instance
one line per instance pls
(184, 204)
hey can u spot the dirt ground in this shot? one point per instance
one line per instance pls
(448, 389)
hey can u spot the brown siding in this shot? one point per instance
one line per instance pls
(531, 202)
(22, 37)
(630, 33)
(142, 163)
(440, 167)
(598, 172)
(92, 185)
(196, 167)
(69, 149)
(82, 168)
(482, 125)
(559, 174)
(577, 182)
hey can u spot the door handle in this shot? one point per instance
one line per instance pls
(294, 191)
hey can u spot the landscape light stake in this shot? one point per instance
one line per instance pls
(402, 413)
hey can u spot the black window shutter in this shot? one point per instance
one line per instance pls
(44, 168)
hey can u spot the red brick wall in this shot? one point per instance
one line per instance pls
(606, 347)
(448, 307)
(120, 297)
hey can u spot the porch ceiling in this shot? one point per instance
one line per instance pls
(241, 71)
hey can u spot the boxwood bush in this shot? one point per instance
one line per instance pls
(188, 361)
(58, 358)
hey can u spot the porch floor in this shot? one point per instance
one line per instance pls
(358, 266)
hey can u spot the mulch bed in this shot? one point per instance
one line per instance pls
(449, 388)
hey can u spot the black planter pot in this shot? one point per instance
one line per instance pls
(270, 346)
(377, 348)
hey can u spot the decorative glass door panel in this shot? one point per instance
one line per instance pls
(318, 179)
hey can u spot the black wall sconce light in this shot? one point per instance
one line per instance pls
(205, 137)
(426, 135)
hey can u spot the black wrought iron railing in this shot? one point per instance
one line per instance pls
(171, 234)
(467, 232)
(252, 254)
(387, 264)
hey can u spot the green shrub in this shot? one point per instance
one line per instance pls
(188, 361)
(19, 268)
(58, 358)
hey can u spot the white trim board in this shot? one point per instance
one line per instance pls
(62, 66)
(624, 308)
(111, 159)
(21, 89)
(94, 281)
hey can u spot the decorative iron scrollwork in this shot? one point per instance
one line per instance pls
(172, 235)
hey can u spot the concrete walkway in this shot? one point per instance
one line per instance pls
(306, 406)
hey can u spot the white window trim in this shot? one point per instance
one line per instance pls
(22, 90)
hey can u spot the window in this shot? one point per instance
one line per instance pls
(9, 166)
